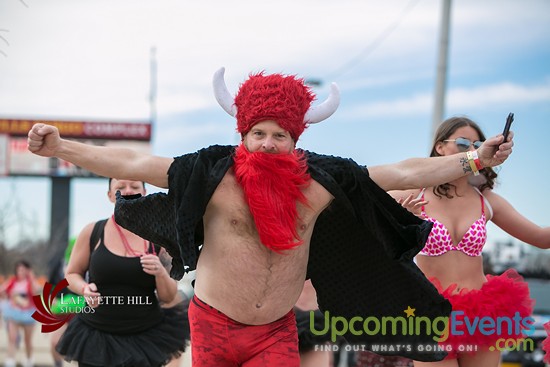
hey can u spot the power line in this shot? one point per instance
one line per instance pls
(369, 49)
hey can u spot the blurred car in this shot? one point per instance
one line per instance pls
(540, 292)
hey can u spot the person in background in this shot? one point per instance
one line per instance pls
(180, 301)
(452, 257)
(57, 274)
(123, 324)
(315, 351)
(546, 343)
(18, 310)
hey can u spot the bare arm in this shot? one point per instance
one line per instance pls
(515, 224)
(127, 164)
(416, 173)
(35, 285)
(78, 265)
(410, 199)
(166, 287)
(3, 287)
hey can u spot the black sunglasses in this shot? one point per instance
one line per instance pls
(464, 144)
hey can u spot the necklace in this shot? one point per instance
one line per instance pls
(127, 247)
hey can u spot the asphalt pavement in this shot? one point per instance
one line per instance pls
(42, 356)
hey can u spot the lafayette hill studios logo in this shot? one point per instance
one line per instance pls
(50, 321)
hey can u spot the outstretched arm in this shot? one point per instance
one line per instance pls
(515, 224)
(416, 173)
(127, 164)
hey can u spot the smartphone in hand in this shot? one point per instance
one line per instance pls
(509, 121)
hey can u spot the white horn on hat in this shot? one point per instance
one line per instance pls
(324, 110)
(221, 93)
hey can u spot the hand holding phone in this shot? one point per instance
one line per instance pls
(509, 121)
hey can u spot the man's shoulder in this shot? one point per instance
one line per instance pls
(215, 158)
(328, 162)
(210, 151)
(217, 149)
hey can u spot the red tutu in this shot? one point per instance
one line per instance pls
(546, 343)
(498, 302)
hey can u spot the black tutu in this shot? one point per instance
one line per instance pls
(306, 339)
(153, 347)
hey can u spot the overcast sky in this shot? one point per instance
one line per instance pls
(91, 60)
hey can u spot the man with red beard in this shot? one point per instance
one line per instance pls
(264, 216)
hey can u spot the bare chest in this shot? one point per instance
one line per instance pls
(238, 274)
(229, 204)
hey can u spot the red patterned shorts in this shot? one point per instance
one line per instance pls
(217, 340)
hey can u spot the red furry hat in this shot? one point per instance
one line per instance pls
(285, 99)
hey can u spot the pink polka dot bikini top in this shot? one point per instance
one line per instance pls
(440, 241)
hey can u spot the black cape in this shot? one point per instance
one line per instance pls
(361, 252)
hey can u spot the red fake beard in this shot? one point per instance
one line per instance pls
(273, 185)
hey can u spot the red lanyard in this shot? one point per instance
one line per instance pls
(129, 249)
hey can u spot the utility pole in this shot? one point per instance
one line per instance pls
(153, 88)
(441, 80)
(59, 213)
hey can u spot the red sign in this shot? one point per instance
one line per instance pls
(140, 131)
(17, 160)
(4, 151)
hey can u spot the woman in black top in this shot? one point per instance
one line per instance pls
(122, 324)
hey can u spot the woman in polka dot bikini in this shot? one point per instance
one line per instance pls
(452, 260)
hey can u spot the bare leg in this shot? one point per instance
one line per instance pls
(316, 359)
(445, 363)
(28, 331)
(483, 358)
(175, 362)
(54, 339)
(12, 338)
